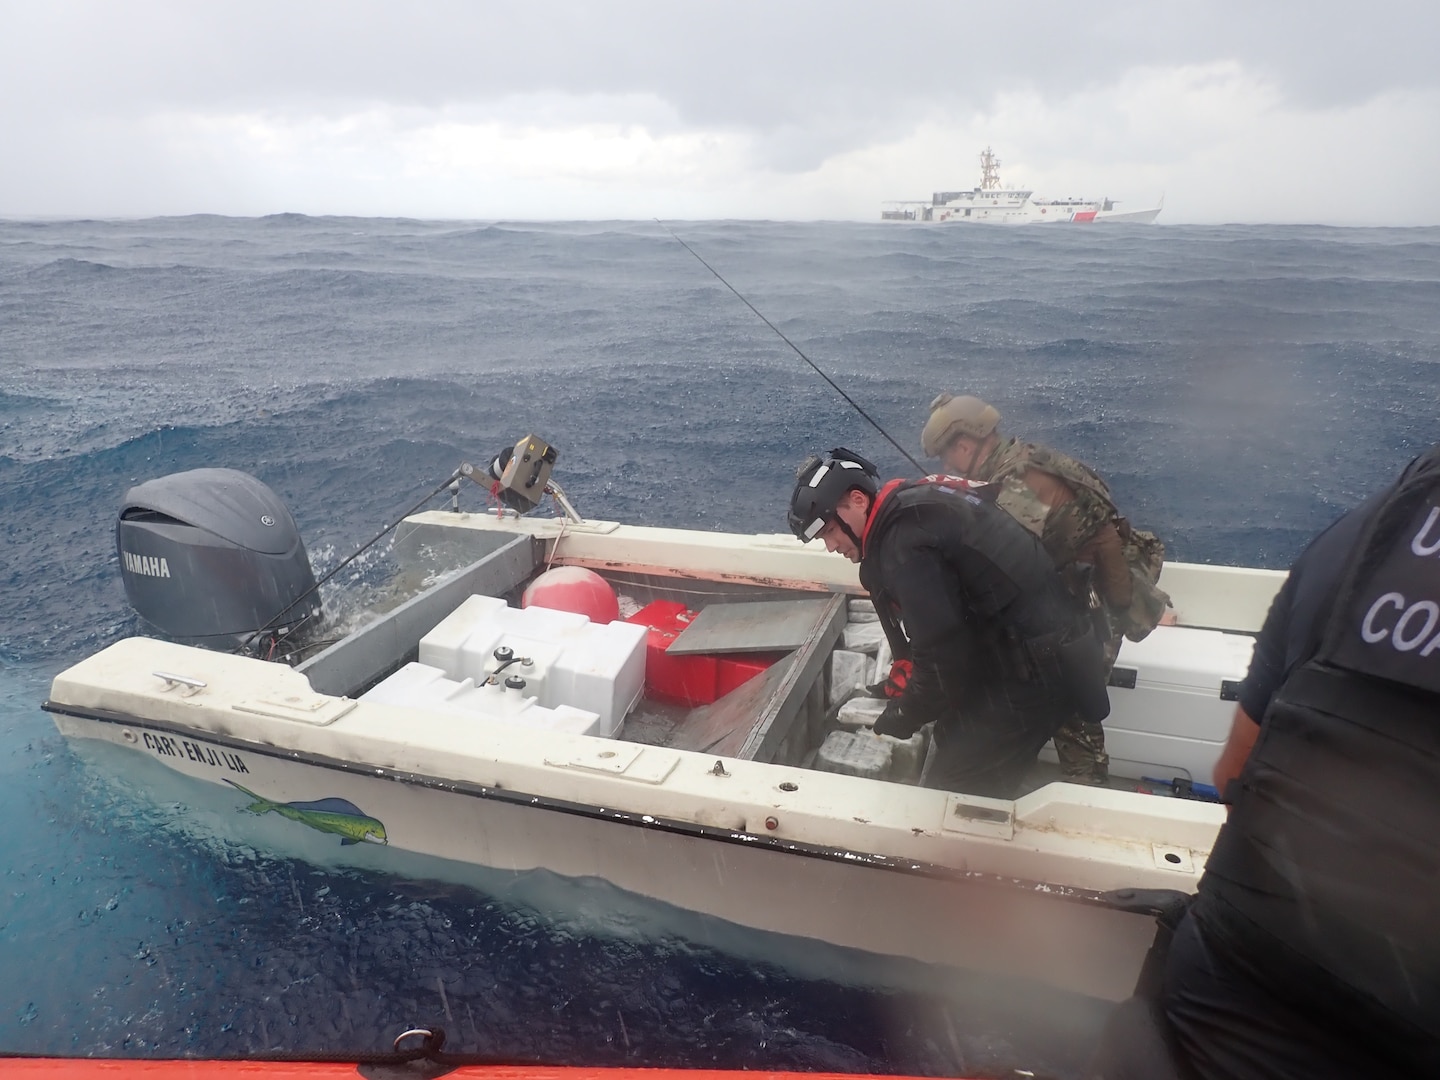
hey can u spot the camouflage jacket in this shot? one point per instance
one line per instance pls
(1065, 529)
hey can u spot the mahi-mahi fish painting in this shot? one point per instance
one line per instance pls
(338, 816)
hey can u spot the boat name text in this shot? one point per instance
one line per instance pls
(165, 746)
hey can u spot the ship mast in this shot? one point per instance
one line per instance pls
(989, 171)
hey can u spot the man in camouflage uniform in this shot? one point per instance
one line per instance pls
(1106, 563)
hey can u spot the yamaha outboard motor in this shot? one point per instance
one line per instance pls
(211, 556)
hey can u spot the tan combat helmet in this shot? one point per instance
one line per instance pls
(954, 416)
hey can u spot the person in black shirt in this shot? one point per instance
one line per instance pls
(1001, 654)
(1313, 946)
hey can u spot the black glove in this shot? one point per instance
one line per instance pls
(893, 722)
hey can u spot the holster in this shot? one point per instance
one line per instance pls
(1082, 664)
(1075, 659)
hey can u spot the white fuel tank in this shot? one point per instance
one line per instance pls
(556, 657)
(426, 687)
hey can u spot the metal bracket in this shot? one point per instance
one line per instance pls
(172, 681)
(980, 816)
(1123, 677)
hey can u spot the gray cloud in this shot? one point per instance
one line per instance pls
(755, 63)
(802, 81)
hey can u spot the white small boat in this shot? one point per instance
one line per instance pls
(452, 727)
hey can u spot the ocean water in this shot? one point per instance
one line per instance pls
(1238, 386)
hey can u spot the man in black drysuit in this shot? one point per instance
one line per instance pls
(1313, 947)
(1001, 654)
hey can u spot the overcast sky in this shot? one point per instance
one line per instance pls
(1233, 110)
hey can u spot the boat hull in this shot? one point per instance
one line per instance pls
(1067, 938)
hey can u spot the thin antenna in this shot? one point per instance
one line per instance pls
(989, 170)
(848, 399)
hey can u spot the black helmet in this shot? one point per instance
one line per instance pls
(820, 484)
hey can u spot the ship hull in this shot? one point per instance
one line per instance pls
(1027, 213)
(1129, 217)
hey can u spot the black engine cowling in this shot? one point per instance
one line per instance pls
(211, 556)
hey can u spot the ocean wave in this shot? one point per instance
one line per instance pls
(288, 219)
(68, 267)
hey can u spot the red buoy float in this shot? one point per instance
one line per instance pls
(574, 589)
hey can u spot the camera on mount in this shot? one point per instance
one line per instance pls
(519, 478)
(522, 473)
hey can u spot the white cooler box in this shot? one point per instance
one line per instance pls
(1172, 698)
(594, 667)
(420, 686)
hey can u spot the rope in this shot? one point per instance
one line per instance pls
(346, 562)
(833, 385)
(564, 524)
